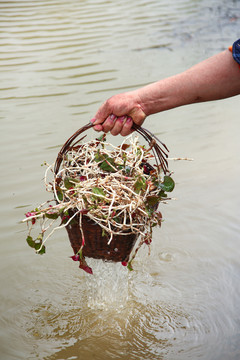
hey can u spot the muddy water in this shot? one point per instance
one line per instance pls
(59, 61)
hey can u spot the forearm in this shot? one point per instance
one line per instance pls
(215, 78)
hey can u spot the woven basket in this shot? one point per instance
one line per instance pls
(96, 245)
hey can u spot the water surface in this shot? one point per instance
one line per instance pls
(59, 60)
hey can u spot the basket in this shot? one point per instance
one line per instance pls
(96, 244)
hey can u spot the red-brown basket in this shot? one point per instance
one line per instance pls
(96, 244)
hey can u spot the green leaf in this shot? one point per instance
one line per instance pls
(98, 191)
(98, 157)
(52, 216)
(106, 162)
(102, 137)
(31, 242)
(117, 219)
(69, 182)
(120, 167)
(140, 184)
(152, 200)
(162, 194)
(42, 251)
(149, 211)
(59, 193)
(152, 204)
(168, 184)
(38, 246)
(108, 165)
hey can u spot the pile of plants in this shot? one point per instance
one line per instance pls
(118, 187)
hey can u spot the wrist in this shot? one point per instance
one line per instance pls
(164, 94)
(148, 98)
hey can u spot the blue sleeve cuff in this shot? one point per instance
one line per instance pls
(236, 51)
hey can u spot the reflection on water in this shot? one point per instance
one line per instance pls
(58, 61)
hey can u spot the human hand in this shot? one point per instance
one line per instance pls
(118, 113)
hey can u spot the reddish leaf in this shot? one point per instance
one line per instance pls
(148, 241)
(75, 257)
(86, 268)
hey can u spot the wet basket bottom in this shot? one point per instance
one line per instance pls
(96, 246)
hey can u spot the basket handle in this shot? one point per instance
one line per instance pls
(160, 154)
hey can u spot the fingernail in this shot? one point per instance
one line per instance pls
(122, 118)
(112, 117)
(129, 119)
(98, 127)
(93, 120)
